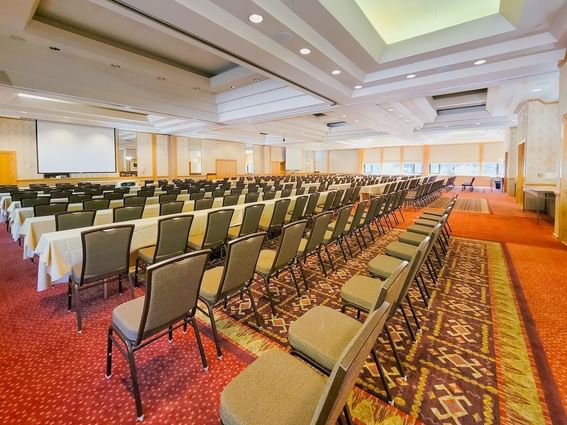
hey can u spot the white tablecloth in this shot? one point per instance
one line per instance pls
(339, 186)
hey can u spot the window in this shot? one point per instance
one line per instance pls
(456, 169)
(467, 169)
(413, 168)
(391, 168)
(493, 169)
(249, 152)
(372, 168)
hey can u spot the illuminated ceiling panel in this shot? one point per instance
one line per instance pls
(398, 20)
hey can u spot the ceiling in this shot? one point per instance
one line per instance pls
(375, 72)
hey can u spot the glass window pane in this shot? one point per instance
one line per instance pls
(391, 168)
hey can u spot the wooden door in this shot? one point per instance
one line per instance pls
(8, 171)
(276, 168)
(520, 180)
(226, 168)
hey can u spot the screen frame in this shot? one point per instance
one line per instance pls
(76, 172)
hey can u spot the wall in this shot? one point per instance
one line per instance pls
(322, 161)
(162, 155)
(144, 154)
(211, 150)
(344, 161)
(561, 200)
(512, 165)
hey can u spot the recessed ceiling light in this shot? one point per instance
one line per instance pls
(390, 109)
(115, 65)
(343, 116)
(480, 62)
(66, 118)
(33, 96)
(477, 123)
(161, 78)
(355, 120)
(305, 51)
(358, 87)
(256, 80)
(255, 18)
(446, 126)
(336, 72)
(55, 49)
(232, 87)
(23, 112)
(410, 76)
(537, 90)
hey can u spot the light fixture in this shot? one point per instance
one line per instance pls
(255, 18)
(355, 120)
(336, 71)
(115, 65)
(343, 116)
(256, 80)
(480, 62)
(357, 87)
(410, 76)
(128, 158)
(446, 126)
(390, 109)
(161, 78)
(33, 96)
(537, 90)
(55, 49)
(477, 123)
(304, 51)
(197, 88)
(232, 87)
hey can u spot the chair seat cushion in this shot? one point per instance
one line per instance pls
(127, 317)
(383, 266)
(430, 217)
(233, 232)
(423, 230)
(411, 238)
(361, 291)
(276, 389)
(196, 241)
(210, 284)
(147, 254)
(265, 261)
(438, 213)
(322, 334)
(401, 250)
(426, 222)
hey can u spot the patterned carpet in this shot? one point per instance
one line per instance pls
(476, 205)
(456, 375)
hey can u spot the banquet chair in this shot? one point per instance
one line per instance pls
(134, 200)
(42, 210)
(268, 195)
(169, 303)
(173, 207)
(230, 200)
(313, 242)
(277, 220)
(96, 204)
(250, 222)
(166, 197)
(73, 219)
(298, 209)
(215, 233)
(76, 199)
(131, 212)
(193, 196)
(30, 202)
(113, 196)
(203, 204)
(251, 197)
(336, 233)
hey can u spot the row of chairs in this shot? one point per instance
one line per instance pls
(425, 194)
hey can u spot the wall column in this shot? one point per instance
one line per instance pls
(425, 159)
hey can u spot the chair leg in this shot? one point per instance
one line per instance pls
(214, 329)
(200, 343)
(302, 271)
(78, 308)
(69, 296)
(136, 272)
(170, 334)
(109, 354)
(389, 397)
(395, 351)
(268, 293)
(318, 251)
(135, 386)
(415, 319)
(329, 257)
(410, 330)
(340, 244)
(254, 309)
(294, 279)
(348, 247)
(421, 291)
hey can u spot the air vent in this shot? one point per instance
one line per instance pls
(461, 93)
(319, 115)
(336, 124)
(263, 134)
(462, 109)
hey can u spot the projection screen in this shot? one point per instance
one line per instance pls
(71, 148)
(293, 159)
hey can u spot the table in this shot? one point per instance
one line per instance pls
(339, 186)
(373, 189)
(538, 192)
(59, 251)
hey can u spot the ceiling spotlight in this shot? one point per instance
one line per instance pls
(410, 76)
(480, 62)
(161, 78)
(232, 87)
(390, 109)
(343, 116)
(255, 18)
(357, 87)
(256, 80)
(305, 51)
(55, 49)
(355, 120)
(115, 65)
(537, 90)
(477, 123)
(336, 72)
(446, 126)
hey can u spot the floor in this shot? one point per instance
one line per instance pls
(50, 374)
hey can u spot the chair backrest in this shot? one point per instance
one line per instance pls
(106, 252)
(134, 200)
(371, 210)
(60, 194)
(311, 204)
(392, 286)
(347, 368)
(218, 193)
(42, 210)
(251, 197)
(268, 195)
(289, 243)
(328, 205)
(30, 202)
(342, 220)
(96, 204)
(286, 193)
(113, 195)
(318, 229)
(251, 219)
(230, 200)
(131, 212)
(357, 218)
(241, 258)
(413, 268)
(196, 195)
(299, 207)
(203, 204)
(75, 199)
(165, 197)
(299, 191)
(312, 189)
(74, 219)
(173, 207)
(338, 199)
(173, 233)
(172, 290)
(347, 197)
(218, 223)
(279, 214)
(18, 196)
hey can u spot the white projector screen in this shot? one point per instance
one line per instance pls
(70, 148)
(293, 159)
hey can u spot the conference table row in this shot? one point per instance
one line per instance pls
(59, 251)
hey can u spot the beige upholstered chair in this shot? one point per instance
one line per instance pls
(215, 235)
(132, 212)
(41, 210)
(74, 219)
(173, 207)
(313, 242)
(328, 204)
(166, 197)
(230, 200)
(271, 261)
(134, 200)
(304, 396)
(172, 236)
(337, 232)
(233, 278)
(96, 204)
(170, 302)
(251, 197)
(277, 220)
(298, 209)
(250, 222)
(32, 202)
(106, 254)
(311, 204)
(204, 204)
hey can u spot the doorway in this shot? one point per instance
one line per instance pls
(8, 169)
(278, 168)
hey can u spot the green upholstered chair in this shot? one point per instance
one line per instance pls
(268, 195)
(166, 197)
(272, 261)
(327, 205)
(304, 396)
(42, 210)
(216, 232)
(106, 255)
(311, 204)
(230, 200)
(31, 202)
(134, 200)
(251, 197)
(132, 212)
(277, 220)
(74, 219)
(172, 236)
(173, 207)
(337, 232)
(113, 196)
(76, 199)
(170, 302)
(232, 278)
(250, 222)
(313, 243)
(96, 204)
(298, 209)
(204, 204)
